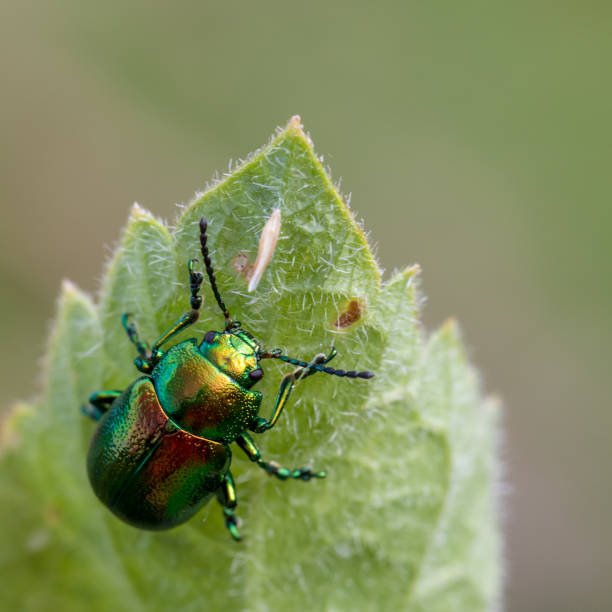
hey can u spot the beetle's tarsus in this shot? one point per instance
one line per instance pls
(283, 473)
(232, 523)
(227, 498)
(247, 444)
(132, 332)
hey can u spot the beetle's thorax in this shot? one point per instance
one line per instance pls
(234, 353)
(200, 396)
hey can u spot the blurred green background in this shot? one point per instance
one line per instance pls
(476, 140)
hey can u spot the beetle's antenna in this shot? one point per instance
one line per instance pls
(211, 273)
(316, 367)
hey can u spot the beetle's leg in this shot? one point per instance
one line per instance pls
(189, 318)
(245, 442)
(287, 385)
(99, 403)
(143, 362)
(132, 332)
(146, 362)
(226, 494)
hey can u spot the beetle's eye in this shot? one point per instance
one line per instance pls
(256, 374)
(209, 337)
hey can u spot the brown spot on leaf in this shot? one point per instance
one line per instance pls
(350, 315)
(242, 265)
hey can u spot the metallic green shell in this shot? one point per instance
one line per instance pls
(201, 398)
(149, 472)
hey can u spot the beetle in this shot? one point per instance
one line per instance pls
(161, 449)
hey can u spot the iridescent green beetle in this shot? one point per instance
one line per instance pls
(161, 449)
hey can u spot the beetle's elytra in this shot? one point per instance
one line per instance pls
(162, 446)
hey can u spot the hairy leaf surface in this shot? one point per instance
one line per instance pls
(405, 519)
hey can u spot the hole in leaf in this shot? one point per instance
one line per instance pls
(350, 315)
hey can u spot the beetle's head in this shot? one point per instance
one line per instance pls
(236, 353)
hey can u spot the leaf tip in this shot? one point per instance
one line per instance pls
(70, 293)
(295, 128)
(68, 288)
(295, 123)
(450, 333)
(451, 326)
(138, 213)
(412, 271)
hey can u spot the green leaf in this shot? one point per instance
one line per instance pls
(405, 519)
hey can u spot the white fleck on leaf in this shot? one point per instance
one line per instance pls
(267, 246)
